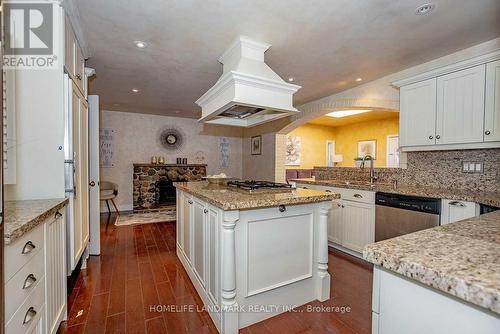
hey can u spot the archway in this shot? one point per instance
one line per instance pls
(320, 108)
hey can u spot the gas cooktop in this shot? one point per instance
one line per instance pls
(253, 186)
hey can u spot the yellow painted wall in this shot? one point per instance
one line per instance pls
(346, 138)
(313, 143)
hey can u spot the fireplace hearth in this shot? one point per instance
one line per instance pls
(153, 184)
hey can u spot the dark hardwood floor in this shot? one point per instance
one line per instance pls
(138, 267)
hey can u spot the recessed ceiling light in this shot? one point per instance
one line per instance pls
(140, 44)
(345, 113)
(135, 90)
(424, 9)
(359, 79)
(177, 111)
(291, 79)
(116, 104)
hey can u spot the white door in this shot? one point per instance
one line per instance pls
(213, 223)
(492, 101)
(186, 222)
(417, 117)
(460, 106)
(76, 233)
(84, 165)
(199, 239)
(335, 223)
(393, 151)
(330, 152)
(94, 207)
(359, 225)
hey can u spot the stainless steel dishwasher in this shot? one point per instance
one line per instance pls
(397, 215)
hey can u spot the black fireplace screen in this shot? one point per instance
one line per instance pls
(166, 192)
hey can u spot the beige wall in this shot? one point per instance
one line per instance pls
(260, 167)
(346, 137)
(136, 140)
(313, 144)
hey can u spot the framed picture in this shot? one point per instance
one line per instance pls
(367, 147)
(256, 145)
(293, 151)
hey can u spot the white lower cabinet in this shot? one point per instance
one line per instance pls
(35, 284)
(401, 305)
(358, 224)
(351, 220)
(453, 211)
(55, 283)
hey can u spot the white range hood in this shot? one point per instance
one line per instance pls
(248, 92)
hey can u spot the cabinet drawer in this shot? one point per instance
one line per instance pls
(22, 284)
(361, 196)
(21, 321)
(14, 256)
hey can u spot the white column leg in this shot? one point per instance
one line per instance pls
(229, 309)
(323, 282)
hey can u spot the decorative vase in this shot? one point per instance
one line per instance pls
(154, 160)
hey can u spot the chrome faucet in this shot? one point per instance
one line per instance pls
(373, 178)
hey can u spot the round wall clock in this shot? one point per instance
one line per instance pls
(171, 139)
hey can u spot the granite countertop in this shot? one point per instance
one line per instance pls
(461, 259)
(23, 216)
(487, 198)
(230, 199)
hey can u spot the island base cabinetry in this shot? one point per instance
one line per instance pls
(403, 306)
(253, 264)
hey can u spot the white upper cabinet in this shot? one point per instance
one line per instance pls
(453, 107)
(492, 101)
(418, 113)
(74, 61)
(460, 106)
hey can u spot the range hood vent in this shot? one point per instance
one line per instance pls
(249, 92)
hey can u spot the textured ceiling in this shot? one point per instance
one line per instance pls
(324, 44)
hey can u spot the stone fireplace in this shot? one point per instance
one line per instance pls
(153, 184)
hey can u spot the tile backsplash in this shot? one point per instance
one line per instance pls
(438, 169)
(443, 169)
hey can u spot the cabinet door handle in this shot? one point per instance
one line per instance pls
(30, 314)
(58, 215)
(190, 202)
(431, 137)
(29, 281)
(282, 208)
(79, 77)
(28, 247)
(358, 195)
(487, 132)
(457, 203)
(438, 137)
(205, 211)
(92, 183)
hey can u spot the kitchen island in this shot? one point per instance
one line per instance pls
(253, 255)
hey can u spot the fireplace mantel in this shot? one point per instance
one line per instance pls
(147, 176)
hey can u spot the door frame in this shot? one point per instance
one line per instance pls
(387, 149)
(327, 152)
